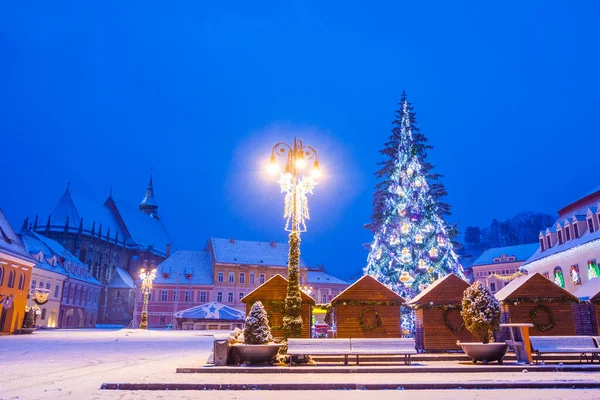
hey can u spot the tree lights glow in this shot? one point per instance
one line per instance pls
(147, 275)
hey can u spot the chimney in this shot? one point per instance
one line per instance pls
(232, 240)
(273, 244)
(168, 250)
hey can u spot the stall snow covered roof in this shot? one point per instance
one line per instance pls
(211, 311)
(368, 288)
(534, 286)
(446, 290)
(274, 289)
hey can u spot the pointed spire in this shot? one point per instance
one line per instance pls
(148, 204)
(48, 225)
(68, 186)
(25, 225)
(35, 223)
(80, 225)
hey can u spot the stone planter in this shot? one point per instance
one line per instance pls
(257, 353)
(484, 352)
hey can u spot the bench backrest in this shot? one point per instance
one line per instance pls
(562, 342)
(309, 345)
(376, 344)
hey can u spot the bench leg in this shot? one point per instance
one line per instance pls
(345, 360)
(357, 359)
(291, 360)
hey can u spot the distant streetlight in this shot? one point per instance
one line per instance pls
(296, 213)
(147, 275)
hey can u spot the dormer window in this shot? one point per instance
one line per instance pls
(576, 230)
(542, 244)
(590, 225)
(568, 233)
(165, 275)
(560, 237)
(548, 242)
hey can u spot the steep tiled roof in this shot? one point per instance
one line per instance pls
(522, 252)
(10, 242)
(230, 251)
(185, 262)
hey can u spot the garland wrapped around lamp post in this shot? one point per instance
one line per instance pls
(147, 275)
(296, 214)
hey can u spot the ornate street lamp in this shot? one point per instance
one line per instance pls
(296, 214)
(147, 275)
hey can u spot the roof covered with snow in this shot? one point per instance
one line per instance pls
(122, 280)
(323, 277)
(586, 237)
(588, 290)
(212, 311)
(193, 267)
(535, 280)
(67, 264)
(10, 242)
(233, 251)
(520, 252)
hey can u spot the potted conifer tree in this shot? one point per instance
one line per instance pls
(258, 346)
(481, 314)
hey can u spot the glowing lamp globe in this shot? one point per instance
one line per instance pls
(273, 166)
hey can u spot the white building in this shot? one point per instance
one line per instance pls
(569, 250)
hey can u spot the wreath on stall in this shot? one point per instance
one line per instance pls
(374, 326)
(538, 325)
(447, 322)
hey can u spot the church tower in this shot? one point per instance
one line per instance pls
(148, 204)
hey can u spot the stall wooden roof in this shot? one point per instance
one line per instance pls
(274, 289)
(446, 290)
(532, 286)
(367, 288)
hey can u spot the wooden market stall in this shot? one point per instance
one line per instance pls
(438, 323)
(536, 299)
(587, 312)
(272, 295)
(367, 309)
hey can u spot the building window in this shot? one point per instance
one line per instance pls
(175, 295)
(548, 242)
(240, 296)
(232, 277)
(575, 277)
(203, 297)
(591, 225)
(272, 275)
(1, 275)
(219, 296)
(568, 233)
(560, 239)
(33, 283)
(43, 316)
(593, 270)
(48, 286)
(324, 298)
(149, 296)
(252, 278)
(242, 277)
(11, 279)
(261, 279)
(542, 244)
(164, 295)
(21, 281)
(230, 297)
(187, 296)
(546, 275)
(576, 230)
(56, 291)
(559, 279)
(493, 286)
(41, 284)
(220, 277)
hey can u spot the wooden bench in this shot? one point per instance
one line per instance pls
(355, 347)
(581, 345)
(381, 347)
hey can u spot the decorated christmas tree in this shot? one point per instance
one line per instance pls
(256, 329)
(412, 244)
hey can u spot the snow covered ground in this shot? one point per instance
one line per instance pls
(72, 364)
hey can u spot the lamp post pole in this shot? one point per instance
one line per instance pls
(147, 274)
(296, 214)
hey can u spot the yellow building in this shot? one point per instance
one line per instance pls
(15, 275)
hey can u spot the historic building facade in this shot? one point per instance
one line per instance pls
(569, 251)
(107, 236)
(15, 276)
(224, 272)
(498, 266)
(73, 294)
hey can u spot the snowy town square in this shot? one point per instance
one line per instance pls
(300, 200)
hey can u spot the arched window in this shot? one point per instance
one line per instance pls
(575, 277)
(11, 279)
(22, 281)
(593, 270)
(559, 279)
(1, 275)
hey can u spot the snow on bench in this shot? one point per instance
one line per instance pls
(399, 346)
(357, 347)
(581, 345)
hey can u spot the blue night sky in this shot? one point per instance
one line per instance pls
(99, 94)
